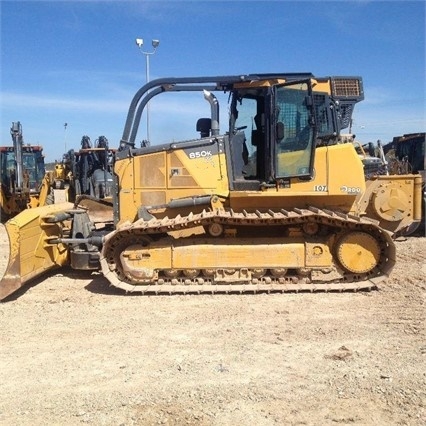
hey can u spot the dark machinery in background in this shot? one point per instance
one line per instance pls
(407, 154)
(90, 168)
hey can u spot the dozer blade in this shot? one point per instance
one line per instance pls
(30, 253)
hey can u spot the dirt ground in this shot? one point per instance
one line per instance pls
(75, 351)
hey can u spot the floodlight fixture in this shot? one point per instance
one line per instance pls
(155, 43)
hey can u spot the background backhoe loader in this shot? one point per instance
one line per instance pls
(86, 172)
(21, 173)
(26, 184)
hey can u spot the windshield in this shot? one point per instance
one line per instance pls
(294, 131)
(7, 166)
(32, 168)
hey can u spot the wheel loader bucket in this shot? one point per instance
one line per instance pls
(30, 253)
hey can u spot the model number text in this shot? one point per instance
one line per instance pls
(200, 154)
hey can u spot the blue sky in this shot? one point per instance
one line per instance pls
(76, 62)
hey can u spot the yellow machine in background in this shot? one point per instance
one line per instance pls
(273, 203)
(26, 184)
(21, 173)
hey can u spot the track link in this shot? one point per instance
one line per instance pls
(245, 279)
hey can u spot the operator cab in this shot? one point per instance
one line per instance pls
(273, 128)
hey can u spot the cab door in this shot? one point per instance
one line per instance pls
(293, 130)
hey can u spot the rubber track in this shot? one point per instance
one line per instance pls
(267, 284)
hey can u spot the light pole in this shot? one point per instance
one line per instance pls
(155, 43)
(65, 136)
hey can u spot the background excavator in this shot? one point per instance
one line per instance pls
(276, 202)
(22, 170)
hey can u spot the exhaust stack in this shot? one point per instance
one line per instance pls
(214, 104)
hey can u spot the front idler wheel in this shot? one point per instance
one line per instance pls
(358, 252)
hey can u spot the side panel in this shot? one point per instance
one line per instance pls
(338, 180)
(156, 178)
(345, 170)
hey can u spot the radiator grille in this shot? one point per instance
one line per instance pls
(346, 87)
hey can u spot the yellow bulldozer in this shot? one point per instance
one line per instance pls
(273, 203)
